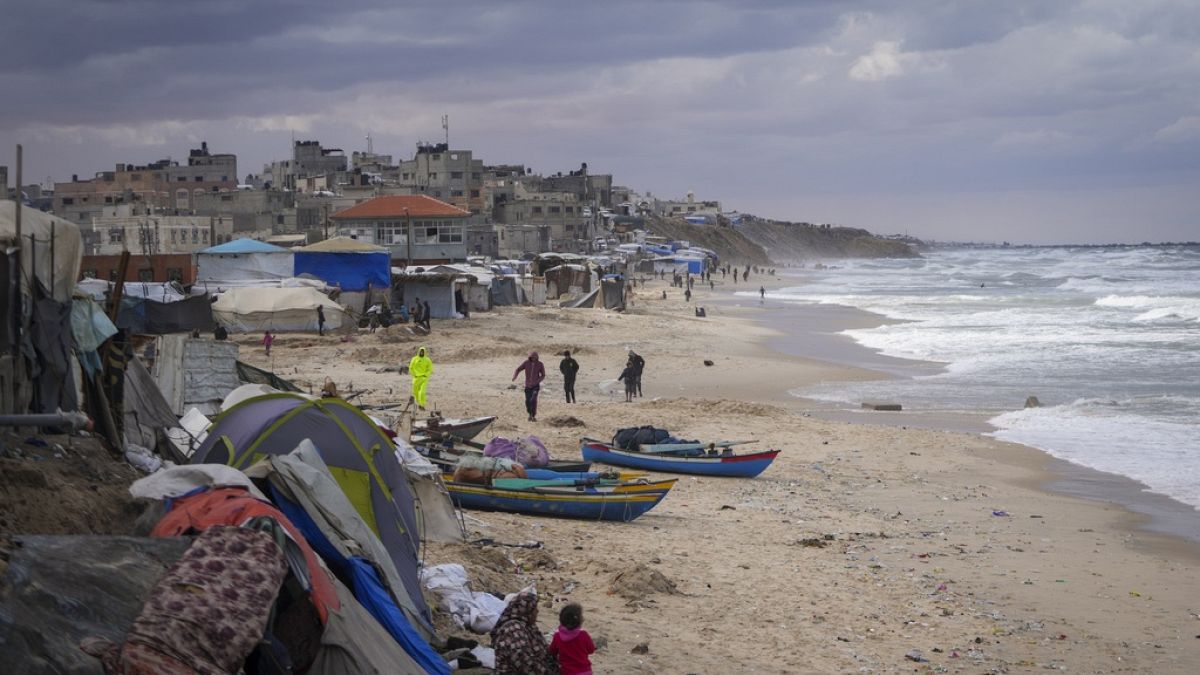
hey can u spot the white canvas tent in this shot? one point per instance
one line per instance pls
(243, 259)
(252, 310)
(56, 265)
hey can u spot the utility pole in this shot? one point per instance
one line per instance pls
(446, 128)
(408, 245)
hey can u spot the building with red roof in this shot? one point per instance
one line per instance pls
(437, 228)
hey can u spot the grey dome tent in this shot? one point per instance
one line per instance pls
(360, 457)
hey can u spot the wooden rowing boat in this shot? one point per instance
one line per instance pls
(745, 465)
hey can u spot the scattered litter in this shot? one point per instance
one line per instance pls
(915, 655)
(1000, 513)
(811, 542)
(640, 648)
(726, 507)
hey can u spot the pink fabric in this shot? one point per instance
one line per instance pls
(528, 452)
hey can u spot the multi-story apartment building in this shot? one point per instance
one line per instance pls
(593, 190)
(687, 207)
(452, 176)
(309, 159)
(120, 229)
(560, 212)
(164, 186)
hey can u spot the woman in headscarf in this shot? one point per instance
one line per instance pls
(520, 647)
(420, 368)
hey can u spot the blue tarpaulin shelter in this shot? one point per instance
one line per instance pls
(348, 263)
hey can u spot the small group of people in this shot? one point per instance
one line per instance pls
(632, 376)
(521, 648)
(421, 314)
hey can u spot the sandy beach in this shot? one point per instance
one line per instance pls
(864, 548)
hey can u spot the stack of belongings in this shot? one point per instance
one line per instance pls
(304, 557)
(633, 438)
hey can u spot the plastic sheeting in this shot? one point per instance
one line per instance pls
(178, 481)
(253, 310)
(350, 271)
(146, 411)
(195, 372)
(146, 316)
(477, 612)
(90, 327)
(59, 590)
(98, 289)
(57, 264)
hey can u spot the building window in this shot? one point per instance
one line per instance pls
(437, 193)
(108, 200)
(90, 273)
(135, 176)
(537, 210)
(199, 179)
(456, 193)
(475, 175)
(115, 235)
(436, 157)
(570, 209)
(174, 274)
(195, 236)
(146, 275)
(174, 235)
(204, 236)
(181, 179)
(112, 274)
(555, 209)
(433, 175)
(456, 174)
(67, 201)
(475, 193)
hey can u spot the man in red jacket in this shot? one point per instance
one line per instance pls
(535, 372)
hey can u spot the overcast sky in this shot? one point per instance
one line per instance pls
(1048, 121)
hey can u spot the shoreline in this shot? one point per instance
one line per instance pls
(820, 340)
(859, 545)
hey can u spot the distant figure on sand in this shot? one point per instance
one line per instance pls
(426, 315)
(629, 377)
(267, 341)
(568, 367)
(320, 320)
(420, 368)
(571, 643)
(639, 365)
(535, 372)
(687, 295)
(762, 293)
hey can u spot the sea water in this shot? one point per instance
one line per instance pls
(1108, 339)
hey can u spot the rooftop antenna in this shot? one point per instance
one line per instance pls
(370, 146)
(446, 126)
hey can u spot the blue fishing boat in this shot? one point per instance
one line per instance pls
(661, 458)
(560, 502)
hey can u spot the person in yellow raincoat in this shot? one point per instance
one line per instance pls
(420, 368)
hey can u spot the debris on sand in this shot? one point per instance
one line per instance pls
(639, 581)
(564, 421)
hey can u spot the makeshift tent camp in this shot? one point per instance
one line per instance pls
(566, 279)
(613, 288)
(507, 291)
(359, 456)
(252, 310)
(243, 259)
(169, 291)
(347, 263)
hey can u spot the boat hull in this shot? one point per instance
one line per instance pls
(615, 507)
(464, 429)
(736, 466)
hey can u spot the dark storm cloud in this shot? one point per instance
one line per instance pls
(782, 108)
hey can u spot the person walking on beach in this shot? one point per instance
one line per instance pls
(630, 378)
(639, 365)
(267, 341)
(425, 316)
(687, 295)
(571, 643)
(535, 372)
(420, 368)
(762, 294)
(568, 367)
(320, 320)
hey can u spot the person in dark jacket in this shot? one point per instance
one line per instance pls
(535, 372)
(320, 320)
(568, 367)
(425, 316)
(639, 365)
